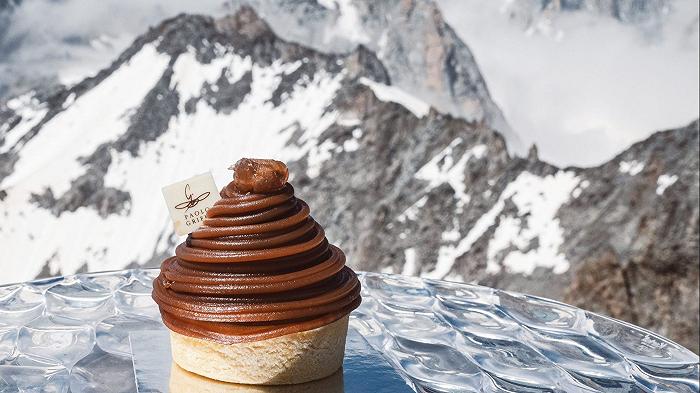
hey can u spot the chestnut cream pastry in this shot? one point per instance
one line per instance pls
(257, 295)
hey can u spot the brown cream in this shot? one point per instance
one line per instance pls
(259, 267)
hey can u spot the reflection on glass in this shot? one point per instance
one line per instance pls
(183, 381)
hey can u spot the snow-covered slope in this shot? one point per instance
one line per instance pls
(399, 186)
(83, 180)
(420, 51)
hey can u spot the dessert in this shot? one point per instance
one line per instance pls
(257, 295)
(182, 381)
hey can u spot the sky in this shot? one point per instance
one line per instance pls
(583, 86)
(48, 36)
(580, 86)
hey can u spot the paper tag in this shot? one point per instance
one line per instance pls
(189, 200)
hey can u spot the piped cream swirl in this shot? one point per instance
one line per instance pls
(259, 267)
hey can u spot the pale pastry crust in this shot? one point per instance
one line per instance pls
(290, 359)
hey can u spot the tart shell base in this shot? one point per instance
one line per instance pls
(289, 359)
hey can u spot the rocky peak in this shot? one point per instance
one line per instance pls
(245, 22)
(532, 154)
(421, 52)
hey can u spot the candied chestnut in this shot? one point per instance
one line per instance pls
(259, 175)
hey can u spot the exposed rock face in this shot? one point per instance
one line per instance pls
(401, 187)
(636, 236)
(421, 52)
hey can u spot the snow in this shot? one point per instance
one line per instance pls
(663, 182)
(98, 116)
(31, 112)
(318, 155)
(411, 213)
(631, 168)
(443, 169)
(68, 101)
(330, 4)
(578, 190)
(452, 234)
(353, 144)
(324, 151)
(447, 255)
(348, 121)
(410, 267)
(189, 75)
(194, 143)
(394, 94)
(537, 199)
(50, 160)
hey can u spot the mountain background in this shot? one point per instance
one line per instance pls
(491, 142)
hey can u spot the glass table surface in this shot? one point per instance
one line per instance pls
(71, 334)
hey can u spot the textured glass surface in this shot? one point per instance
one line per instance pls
(72, 334)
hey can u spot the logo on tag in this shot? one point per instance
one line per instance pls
(189, 200)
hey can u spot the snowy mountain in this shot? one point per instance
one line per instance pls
(185, 89)
(400, 186)
(531, 54)
(420, 50)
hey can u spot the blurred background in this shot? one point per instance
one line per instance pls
(542, 146)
